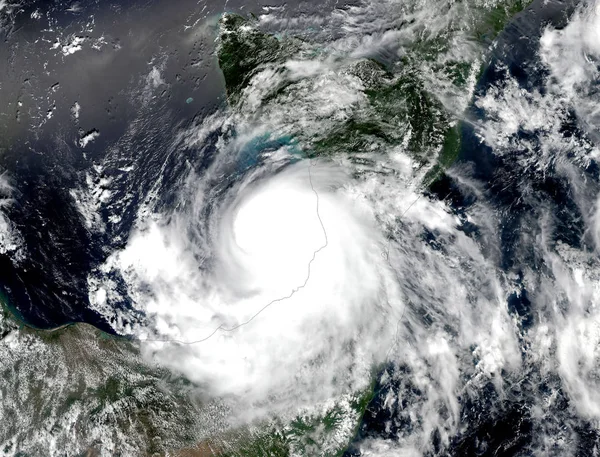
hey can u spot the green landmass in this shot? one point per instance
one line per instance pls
(495, 20)
(401, 110)
(83, 384)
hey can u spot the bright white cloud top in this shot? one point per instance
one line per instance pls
(287, 285)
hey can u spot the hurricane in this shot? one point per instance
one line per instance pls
(365, 228)
(238, 287)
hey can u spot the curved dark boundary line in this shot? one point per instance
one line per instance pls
(277, 300)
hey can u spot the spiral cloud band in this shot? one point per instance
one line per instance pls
(286, 286)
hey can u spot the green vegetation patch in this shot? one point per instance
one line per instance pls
(495, 20)
(242, 48)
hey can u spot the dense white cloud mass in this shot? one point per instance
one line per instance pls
(345, 296)
(291, 275)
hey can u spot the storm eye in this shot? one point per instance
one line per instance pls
(278, 230)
